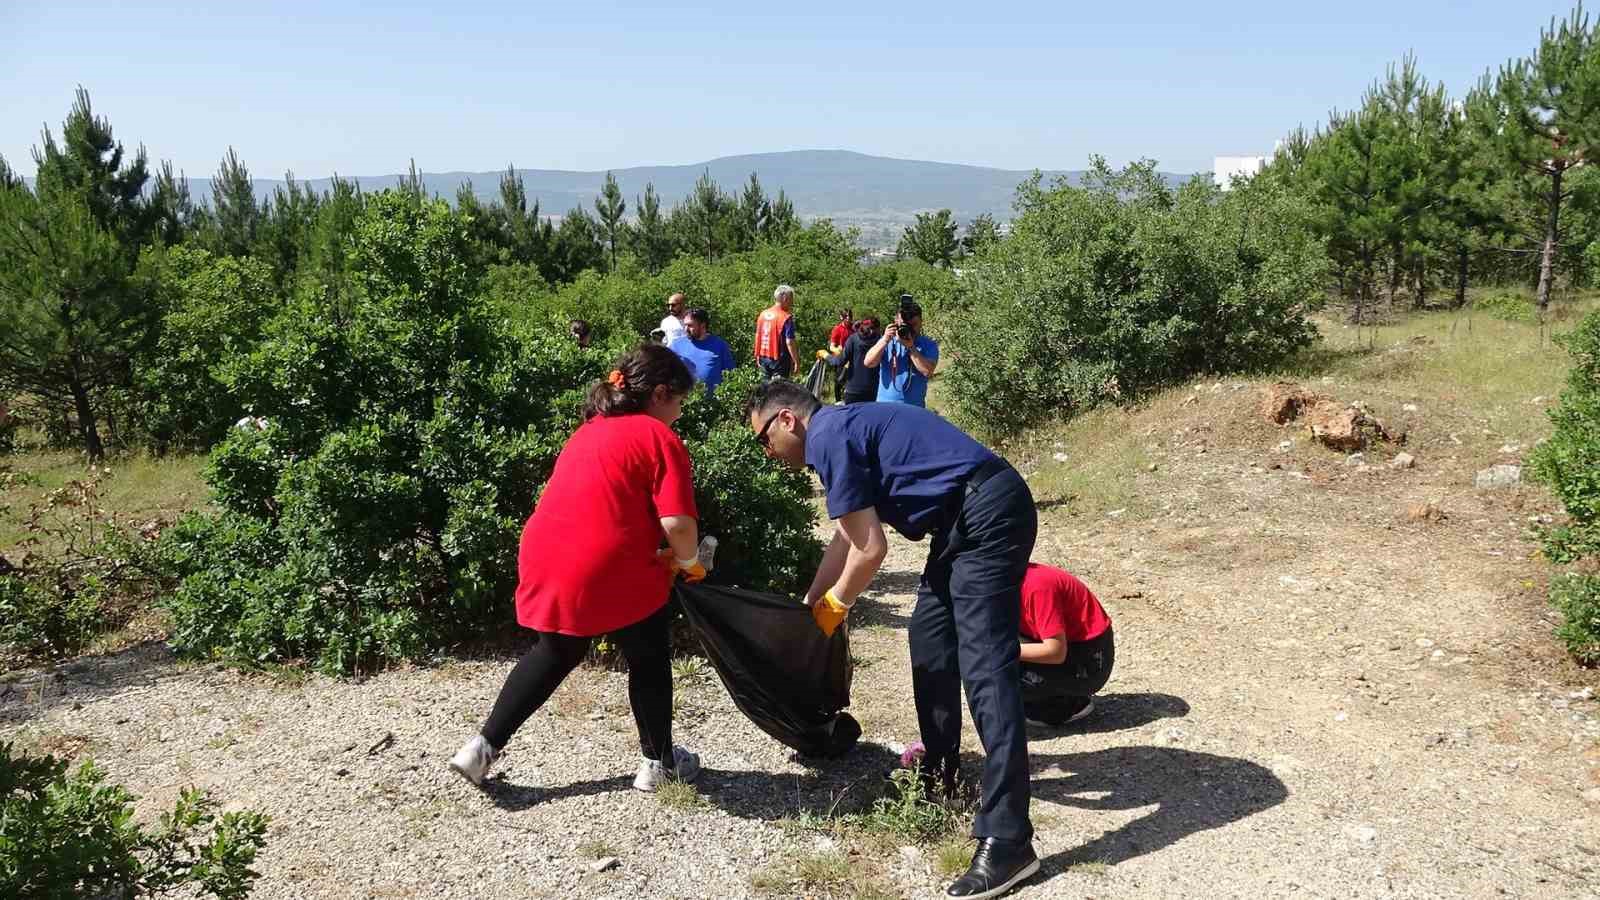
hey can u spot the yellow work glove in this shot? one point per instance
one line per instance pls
(828, 613)
(822, 354)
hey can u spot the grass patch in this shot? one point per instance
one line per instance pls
(952, 856)
(907, 815)
(680, 796)
(595, 848)
(140, 486)
(1094, 868)
(824, 873)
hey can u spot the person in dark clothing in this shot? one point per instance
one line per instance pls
(859, 384)
(905, 466)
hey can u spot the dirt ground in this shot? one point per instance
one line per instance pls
(1315, 695)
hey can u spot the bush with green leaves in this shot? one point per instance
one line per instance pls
(67, 833)
(1569, 462)
(1507, 304)
(213, 308)
(1106, 291)
(373, 512)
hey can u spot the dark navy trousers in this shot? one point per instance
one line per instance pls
(964, 632)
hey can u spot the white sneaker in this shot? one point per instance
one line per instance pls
(652, 774)
(473, 760)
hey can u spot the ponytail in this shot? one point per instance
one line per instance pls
(628, 387)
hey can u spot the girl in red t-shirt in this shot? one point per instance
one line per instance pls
(1067, 646)
(589, 565)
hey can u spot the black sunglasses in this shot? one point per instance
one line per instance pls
(761, 436)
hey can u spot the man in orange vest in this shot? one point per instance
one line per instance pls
(775, 351)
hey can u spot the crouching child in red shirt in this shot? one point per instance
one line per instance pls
(1067, 647)
(589, 563)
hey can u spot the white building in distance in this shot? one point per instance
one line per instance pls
(1224, 168)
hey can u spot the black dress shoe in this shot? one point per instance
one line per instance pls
(997, 867)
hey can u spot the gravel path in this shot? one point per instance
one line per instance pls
(1314, 697)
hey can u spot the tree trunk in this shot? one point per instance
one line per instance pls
(86, 422)
(1420, 300)
(1396, 270)
(1461, 276)
(1547, 263)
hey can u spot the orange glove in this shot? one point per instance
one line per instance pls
(691, 570)
(828, 612)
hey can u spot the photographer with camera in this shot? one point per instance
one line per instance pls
(904, 357)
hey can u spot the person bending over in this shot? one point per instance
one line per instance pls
(589, 562)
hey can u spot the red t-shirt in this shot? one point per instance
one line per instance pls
(587, 564)
(840, 334)
(1055, 602)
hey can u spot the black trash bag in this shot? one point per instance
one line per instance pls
(782, 673)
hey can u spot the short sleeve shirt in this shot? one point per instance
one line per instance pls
(898, 380)
(908, 463)
(671, 329)
(1056, 602)
(708, 358)
(587, 564)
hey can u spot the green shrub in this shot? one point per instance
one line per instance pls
(67, 833)
(1104, 292)
(1569, 462)
(374, 514)
(1577, 597)
(1507, 305)
(214, 307)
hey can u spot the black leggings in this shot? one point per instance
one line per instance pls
(645, 645)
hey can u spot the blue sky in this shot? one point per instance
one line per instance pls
(362, 87)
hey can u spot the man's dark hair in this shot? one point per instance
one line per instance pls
(578, 328)
(768, 397)
(698, 314)
(909, 308)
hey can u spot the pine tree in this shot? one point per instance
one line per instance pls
(780, 220)
(173, 207)
(234, 206)
(73, 314)
(577, 245)
(611, 206)
(1552, 123)
(751, 214)
(705, 214)
(650, 238)
(89, 164)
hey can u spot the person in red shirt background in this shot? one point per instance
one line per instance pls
(589, 562)
(1067, 646)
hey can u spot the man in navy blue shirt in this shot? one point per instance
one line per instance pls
(708, 356)
(900, 465)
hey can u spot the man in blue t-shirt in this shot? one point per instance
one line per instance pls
(904, 357)
(895, 464)
(708, 356)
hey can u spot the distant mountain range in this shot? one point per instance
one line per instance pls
(877, 194)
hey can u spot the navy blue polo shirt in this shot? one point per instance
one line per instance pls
(904, 460)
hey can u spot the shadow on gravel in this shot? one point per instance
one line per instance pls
(1117, 712)
(872, 612)
(26, 694)
(1192, 792)
(831, 787)
(518, 797)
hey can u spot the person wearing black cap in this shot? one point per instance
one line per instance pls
(904, 357)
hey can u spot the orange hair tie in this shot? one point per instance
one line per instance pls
(617, 380)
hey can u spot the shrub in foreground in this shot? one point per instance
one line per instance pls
(68, 833)
(1569, 462)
